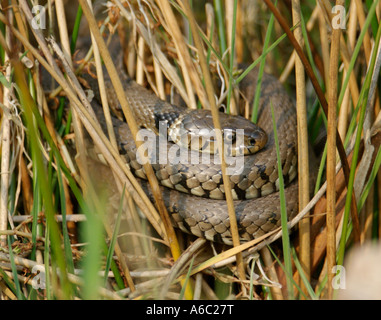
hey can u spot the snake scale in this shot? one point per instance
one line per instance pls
(194, 193)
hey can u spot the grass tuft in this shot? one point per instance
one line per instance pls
(54, 213)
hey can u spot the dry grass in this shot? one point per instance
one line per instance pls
(172, 47)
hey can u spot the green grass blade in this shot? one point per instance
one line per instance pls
(36, 208)
(303, 276)
(287, 272)
(49, 140)
(262, 56)
(220, 25)
(355, 54)
(114, 237)
(372, 177)
(232, 55)
(254, 114)
(28, 104)
(49, 293)
(182, 292)
(19, 293)
(363, 103)
(251, 286)
(283, 209)
(75, 32)
(93, 234)
(65, 233)
(8, 281)
(319, 176)
(309, 51)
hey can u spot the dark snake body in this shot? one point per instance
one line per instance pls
(259, 210)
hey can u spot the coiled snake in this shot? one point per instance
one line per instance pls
(194, 192)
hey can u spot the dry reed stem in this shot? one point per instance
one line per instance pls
(90, 192)
(41, 40)
(116, 163)
(5, 146)
(181, 263)
(93, 130)
(276, 292)
(331, 153)
(229, 10)
(78, 128)
(345, 54)
(217, 126)
(173, 242)
(291, 61)
(27, 192)
(26, 186)
(62, 28)
(210, 21)
(188, 70)
(82, 163)
(8, 292)
(20, 24)
(324, 104)
(344, 112)
(113, 75)
(159, 80)
(198, 286)
(157, 54)
(75, 217)
(303, 156)
(369, 150)
(312, 77)
(239, 34)
(21, 234)
(344, 51)
(361, 17)
(102, 91)
(71, 277)
(346, 100)
(64, 40)
(324, 42)
(318, 231)
(140, 61)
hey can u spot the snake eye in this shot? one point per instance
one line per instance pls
(252, 141)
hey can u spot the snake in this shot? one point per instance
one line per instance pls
(193, 189)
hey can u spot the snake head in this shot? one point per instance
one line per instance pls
(241, 136)
(195, 130)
